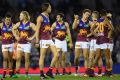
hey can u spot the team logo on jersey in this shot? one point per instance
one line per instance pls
(5, 47)
(45, 21)
(10, 29)
(80, 24)
(4, 28)
(27, 27)
(60, 33)
(87, 25)
(7, 36)
(57, 27)
(20, 27)
(19, 46)
(23, 34)
(62, 27)
(46, 28)
(82, 32)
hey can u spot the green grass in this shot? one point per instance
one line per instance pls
(67, 77)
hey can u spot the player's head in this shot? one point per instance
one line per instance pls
(95, 14)
(24, 15)
(59, 17)
(86, 13)
(109, 15)
(8, 18)
(103, 13)
(46, 7)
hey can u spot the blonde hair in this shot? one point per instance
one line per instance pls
(26, 14)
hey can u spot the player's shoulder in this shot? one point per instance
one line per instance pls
(66, 23)
(1, 24)
(17, 24)
(40, 18)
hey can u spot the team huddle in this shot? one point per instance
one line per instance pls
(94, 38)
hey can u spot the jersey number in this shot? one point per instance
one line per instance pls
(100, 27)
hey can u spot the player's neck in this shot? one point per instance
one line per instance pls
(45, 14)
(60, 22)
(84, 19)
(7, 23)
(25, 21)
(94, 19)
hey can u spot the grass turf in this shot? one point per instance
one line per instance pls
(66, 77)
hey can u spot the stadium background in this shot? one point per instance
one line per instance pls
(69, 8)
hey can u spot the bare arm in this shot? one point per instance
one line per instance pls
(53, 26)
(76, 22)
(0, 29)
(32, 25)
(92, 27)
(38, 24)
(110, 26)
(14, 30)
(68, 32)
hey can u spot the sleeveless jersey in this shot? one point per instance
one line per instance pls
(6, 32)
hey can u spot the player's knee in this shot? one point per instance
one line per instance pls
(108, 57)
(41, 57)
(63, 59)
(90, 59)
(76, 60)
(86, 58)
(10, 60)
(5, 58)
(27, 60)
(56, 55)
(18, 59)
(41, 62)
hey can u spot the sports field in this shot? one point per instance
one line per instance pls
(66, 77)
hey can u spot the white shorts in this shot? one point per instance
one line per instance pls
(110, 46)
(93, 45)
(46, 43)
(7, 47)
(103, 46)
(61, 44)
(82, 44)
(26, 48)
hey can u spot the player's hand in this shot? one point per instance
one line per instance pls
(17, 38)
(76, 17)
(89, 35)
(29, 39)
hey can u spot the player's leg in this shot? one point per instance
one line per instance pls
(59, 51)
(27, 50)
(63, 62)
(10, 59)
(41, 61)
(108, 61)
(78, 51)
(54, 60)
(100, 64)
(18, 58)
(85, 47)
(10, 63)
(5, 58)
(64, 51)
